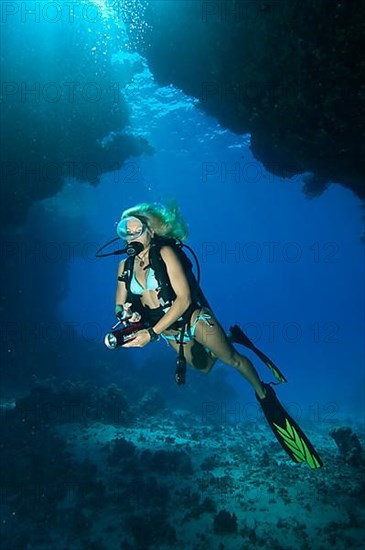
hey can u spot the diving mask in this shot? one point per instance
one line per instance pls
(131, 228)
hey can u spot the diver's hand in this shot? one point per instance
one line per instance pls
(132, 317)
(142, 339)
(124, 313)
(119, 311)
(135, 318)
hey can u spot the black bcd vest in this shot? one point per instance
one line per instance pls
(166, 294)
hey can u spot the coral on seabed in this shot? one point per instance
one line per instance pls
(225, 522)
(152, 402)
(349, 445)
(54, 401)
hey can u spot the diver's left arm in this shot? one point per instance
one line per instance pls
(181, 303)
(180, 286)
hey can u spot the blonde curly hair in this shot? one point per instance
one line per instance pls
(164, 220)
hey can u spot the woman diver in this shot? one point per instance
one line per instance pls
(157, 287)
(205, 341)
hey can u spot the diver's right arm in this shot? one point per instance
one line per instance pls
(121, 294)
(121, 306)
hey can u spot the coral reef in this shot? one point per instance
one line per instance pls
(120, 450)
(225, 522)
(152, 402)
(168, 462)
(54, 401)
(90, 484)
(36, 471)
(151, 529)
(349, 445)
(210, 462)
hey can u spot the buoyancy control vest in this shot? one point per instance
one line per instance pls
(165, 293)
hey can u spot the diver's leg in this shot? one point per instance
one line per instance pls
(214, 338)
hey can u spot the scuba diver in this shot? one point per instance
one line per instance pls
(158, 292)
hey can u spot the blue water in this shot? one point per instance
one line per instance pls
(288, 269)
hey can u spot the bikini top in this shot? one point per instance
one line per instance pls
(151, 283)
